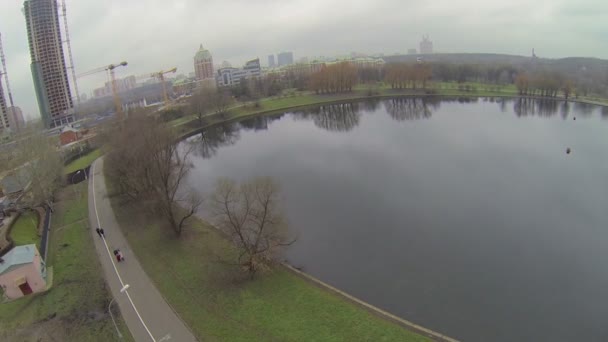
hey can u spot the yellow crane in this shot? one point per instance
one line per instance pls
(110, 68)
(161, 76)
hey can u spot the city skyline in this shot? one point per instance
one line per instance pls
(147, 36)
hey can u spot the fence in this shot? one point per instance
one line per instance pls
(44, 240)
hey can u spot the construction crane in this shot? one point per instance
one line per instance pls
(69, 46)
(4, 73)
(110, 68)
(161, 76)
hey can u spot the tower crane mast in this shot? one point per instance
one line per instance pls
(161, 76)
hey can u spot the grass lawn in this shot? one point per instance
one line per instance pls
(82, 162)
(219, 305)
(75, 308)
(25, 229)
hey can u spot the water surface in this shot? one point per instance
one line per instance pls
(464, 216)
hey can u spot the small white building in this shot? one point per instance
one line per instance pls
(22, 272)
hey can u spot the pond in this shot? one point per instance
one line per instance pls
(466, 216)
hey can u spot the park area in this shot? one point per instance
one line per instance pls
(218, 301)
(82, 162)
(25, 229)
(75, 308)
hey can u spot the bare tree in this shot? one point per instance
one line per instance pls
(147, 163)
(170, 166)
(201, 103)
(249, 214)
(38, 167)
(220, 102)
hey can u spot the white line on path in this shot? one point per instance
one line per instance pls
(122, 284)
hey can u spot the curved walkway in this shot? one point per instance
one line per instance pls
(143, 308)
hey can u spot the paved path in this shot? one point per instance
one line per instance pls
(145, 311)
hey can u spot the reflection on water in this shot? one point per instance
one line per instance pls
(533, 107)
(344, 117)
(259, 123)
(550, 107)
(340, 117)
(371, 105)
(401, 109)
(584, 108)
(206, 143)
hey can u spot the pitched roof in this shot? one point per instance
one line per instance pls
(69, 128)
(202, 54)
(18, 256)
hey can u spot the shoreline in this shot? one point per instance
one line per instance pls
(457, 94)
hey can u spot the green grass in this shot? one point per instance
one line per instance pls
(75, 308)
(219, 305)
(82, 162)
(25, 229)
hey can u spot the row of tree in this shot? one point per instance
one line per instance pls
(334, 78)
(545, 84)
(406, 75)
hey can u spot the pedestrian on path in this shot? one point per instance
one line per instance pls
(118, 255)
(103, 234)
(98, 231)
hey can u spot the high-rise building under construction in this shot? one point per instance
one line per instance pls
(48, 62)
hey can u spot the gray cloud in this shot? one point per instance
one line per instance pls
(157, 34)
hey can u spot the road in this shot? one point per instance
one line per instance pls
(145, 311)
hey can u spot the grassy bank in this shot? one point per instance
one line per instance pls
(82, 162)
(25, 229)
(361, 92)
(219, 305)
(75, 308)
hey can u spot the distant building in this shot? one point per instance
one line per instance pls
(426, 46)
(15, 118)
(271, 63)
(122, 85)
(285, 58)
(318, 65)
(229, 76)
(203, 64)
(22, 272)
(69, 135)
(411, 51)
(48, 62)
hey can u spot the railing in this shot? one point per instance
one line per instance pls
(44, 240)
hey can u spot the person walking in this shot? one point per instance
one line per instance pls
(103, 234)
(98, 231)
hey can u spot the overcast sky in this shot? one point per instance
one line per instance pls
(159, 34)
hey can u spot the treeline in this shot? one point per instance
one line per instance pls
(335, 78)
(461, 73)
(545, 84)
(530, 80)
(405, 75)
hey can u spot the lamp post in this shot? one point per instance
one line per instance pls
(77, 172)
(124, 288)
